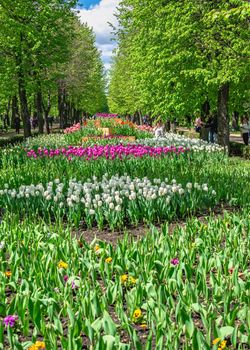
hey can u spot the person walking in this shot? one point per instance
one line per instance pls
(17, 124)
(245, 130)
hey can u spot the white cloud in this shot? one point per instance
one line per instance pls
(98, 17)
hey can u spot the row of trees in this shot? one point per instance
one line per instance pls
(182, 58)
(48, 63)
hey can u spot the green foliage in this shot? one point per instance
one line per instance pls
(173, 55)
(64, 290)
(43, 45)
(83, 76)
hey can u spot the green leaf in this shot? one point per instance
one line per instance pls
(225, 331)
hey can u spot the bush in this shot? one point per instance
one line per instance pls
(246, 152)
(239, 150)
(11, 140)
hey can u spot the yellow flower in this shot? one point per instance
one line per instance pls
(223, 344)
(137, 314)
(215, 341)
(108, 260)
(37, 346)
(124, 278)
(97, 247)
(62, 265)
(132, 280)
(40, 344)
(33, 347)
(8, 273)
(144, 326)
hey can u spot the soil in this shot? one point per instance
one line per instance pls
(136, 233)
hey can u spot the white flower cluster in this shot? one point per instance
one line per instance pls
(47, 141)
(109, 193)
(171, 139)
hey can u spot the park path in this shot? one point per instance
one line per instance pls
(12, 133)
(234, 137)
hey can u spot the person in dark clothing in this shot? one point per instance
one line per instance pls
(145, 120)
(51, 120)
(34, 122)
(245, 130)
(213, 128)
(17, 124)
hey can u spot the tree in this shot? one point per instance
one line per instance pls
(82, 81)
(182, 54)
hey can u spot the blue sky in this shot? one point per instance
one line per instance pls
(88, 3)
(98, 13)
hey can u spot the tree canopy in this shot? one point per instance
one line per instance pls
(173, 56)
(48, 58)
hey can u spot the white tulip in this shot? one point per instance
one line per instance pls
(111, 206)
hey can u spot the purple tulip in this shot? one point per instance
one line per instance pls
(108, 151)
(9, 321)
(175, 261)
(65, 278)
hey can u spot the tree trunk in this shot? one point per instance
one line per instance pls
(59, 95)
(205, 110)
(167, 125)
(78, 116)
(14, 110)
(235, 122)
(64, 109)
(223, 117)
(39, 109)
(24, 107)
(8, 112)
(46, 110)
(22, 92)
(140, 118)
(62, 106)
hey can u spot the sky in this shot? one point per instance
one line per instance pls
(97, 13)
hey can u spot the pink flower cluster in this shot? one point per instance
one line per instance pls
(144, 128)
(106, 115)
(74, 128)
(107, 151)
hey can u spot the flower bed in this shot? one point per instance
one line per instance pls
(184, 286)
(145, 128)
(113, 201)
(106, 115)
(165, 291)
(196, 145)
(108, 151)
(72, 129)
